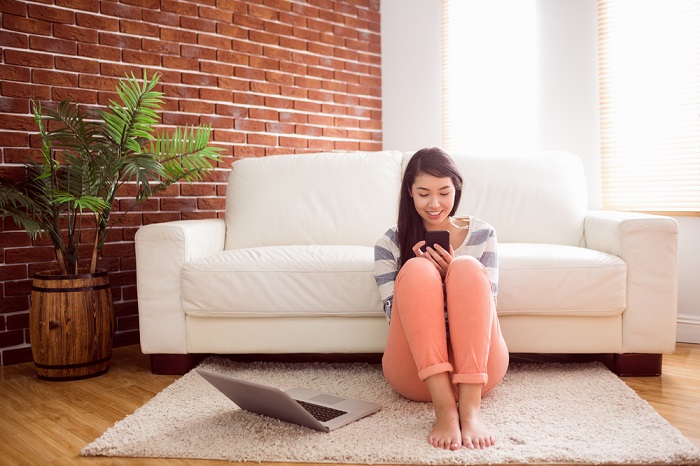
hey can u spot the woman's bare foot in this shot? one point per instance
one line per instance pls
(475, 433)
(446, 433)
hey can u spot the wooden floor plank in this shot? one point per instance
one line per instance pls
(49, 422)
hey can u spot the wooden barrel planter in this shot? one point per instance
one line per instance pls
(71, 325)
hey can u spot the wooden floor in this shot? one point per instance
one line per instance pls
(49, 422)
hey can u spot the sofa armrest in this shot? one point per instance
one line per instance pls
(648, 245)
(161, 251)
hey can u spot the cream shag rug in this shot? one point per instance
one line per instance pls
(541, 413)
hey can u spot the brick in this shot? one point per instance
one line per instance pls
(58, 46)
(217, 42)
(286, 141)
(322, 73)
(217, 14)
(120, 40)
(181, 8)
(308, 130)
(263, 37)
(29, 91)
(28, 59)
(50, 14)
(78, 95)
(234, 137)
(231, 110)
(249, 73)
(14, 304)
(346, 145)
(232, 57)
(178, 35)
(178, 204)
(120, 10)
(216, 95)
(85, 5)
(198, 79)
(246, 47)
(141, 58)
(279, 128)
(307, 106)
(293, 117)
(179, 119)
(320, 144)
(290, 43)
(231, 31)
(100, 82)
(233, 84)
(196, 106)
(117, 70)
(28, 25)
(264, 114)
(215, 68)
(262, 139)
(159, 46)
(290, 18)
(160, 217)
(140, 28)
(14, 7)
(193, 51)
(18, 321)
(180, 91)
(14, 39)
(98, 51)
(18, 123)
(11, 338)
(100, 23)
(54, 78)
(197, 24)
(157, 16)
(75, 34)
(197, 190)
(10, 105)
(178, 63)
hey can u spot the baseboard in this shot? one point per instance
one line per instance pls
(688, 328)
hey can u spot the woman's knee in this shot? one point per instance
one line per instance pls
(467, 268)
(418, 269)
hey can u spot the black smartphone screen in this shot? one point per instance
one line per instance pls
(441, 237)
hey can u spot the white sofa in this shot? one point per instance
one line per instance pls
(290, 269)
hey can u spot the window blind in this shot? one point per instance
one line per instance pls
(649, 73)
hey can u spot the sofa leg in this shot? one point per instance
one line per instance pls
(174, 364)
(637, 364)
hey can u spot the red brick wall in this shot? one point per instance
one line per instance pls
(270, 76)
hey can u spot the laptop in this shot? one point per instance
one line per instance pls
(303, 406)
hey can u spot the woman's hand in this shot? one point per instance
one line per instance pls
(436, 254)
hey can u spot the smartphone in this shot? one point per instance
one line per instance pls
(441, 237)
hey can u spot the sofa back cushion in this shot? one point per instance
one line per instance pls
(538, 197)
(346, 198)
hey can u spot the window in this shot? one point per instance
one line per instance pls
(649, 69)
(489, 75)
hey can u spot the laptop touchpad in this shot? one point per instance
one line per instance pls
(328, 399)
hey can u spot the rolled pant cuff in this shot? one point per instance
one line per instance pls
(470, 378)
(434, 369)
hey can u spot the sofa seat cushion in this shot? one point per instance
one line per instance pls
(283, 281)
(550, 279)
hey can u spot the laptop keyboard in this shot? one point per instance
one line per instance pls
(322, 413)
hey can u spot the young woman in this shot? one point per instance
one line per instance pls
(444, 344)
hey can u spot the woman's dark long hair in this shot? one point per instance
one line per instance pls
(431, 161)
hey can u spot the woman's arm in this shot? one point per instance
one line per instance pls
(386, 267)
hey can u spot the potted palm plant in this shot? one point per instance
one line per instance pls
(68, 194)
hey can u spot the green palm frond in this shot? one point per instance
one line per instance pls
(87, 156)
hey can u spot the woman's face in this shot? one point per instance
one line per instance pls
(433, 199)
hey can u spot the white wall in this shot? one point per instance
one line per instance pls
(567, 96)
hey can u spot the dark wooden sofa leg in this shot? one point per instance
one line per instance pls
(174, 364)
(637, 364)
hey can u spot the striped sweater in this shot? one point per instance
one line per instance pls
(480, 243)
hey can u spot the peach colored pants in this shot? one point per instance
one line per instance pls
(418, 345)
